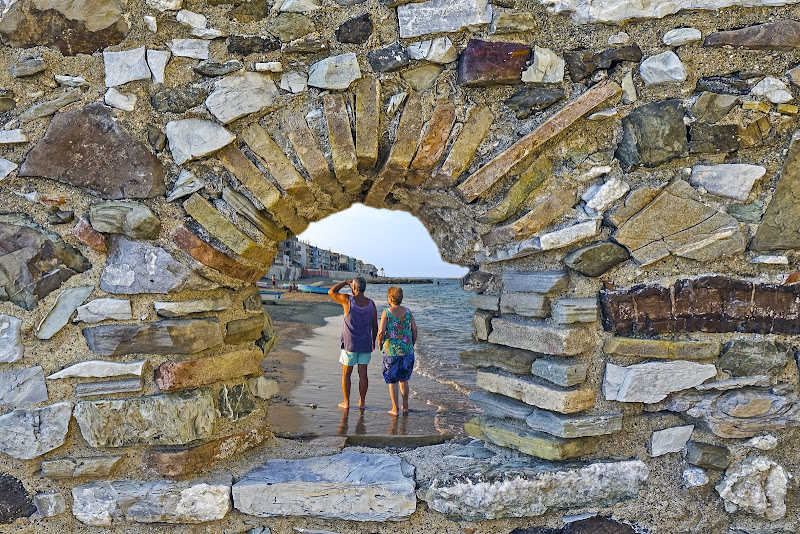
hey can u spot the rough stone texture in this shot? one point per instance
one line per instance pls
(335, 72)
(752, 358)
(535, 281)
(90, 467)
(34, 262)
(491, 63)
(665, 67)
(733, 180)
(485, 302)
(89, 236)
(11, 346)
(389, 58)
(15, 501)
(187, 307)
(28, 433)
(651, 382)
(583, 64)
(574, 426)
(780, 227)
(540, 337)
(88, 148)
(662, 349)
(72, 28)
(243, 330)
(109, 387)
(132, 266)
(653, 134)
(670, 440)
(171, 419)
(49, 504)
(353, 486)
(596, 259)
(441, 16)
(192, 373)
(560, 371)
(171, 336)
(706, 304)
(495, 405)
(130, 218)
(461, 153)
(179, 99)
(343, 149)
(515, 361)
(756, 485)
(125, 66)
(262, 387)
(711, 107)
(356, 30)
(713, 138)
(237, 96)
(50, 107)
(111, 502)
(537, 393)
(99, 310)
(568, 311)
(207, 255)
(236, 402)
(195, 138)
(780, 35)
(99, 369)
(525, 304)
(518, 491)
(22, 387)
(707, 455)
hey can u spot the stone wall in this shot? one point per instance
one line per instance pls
(622, 179)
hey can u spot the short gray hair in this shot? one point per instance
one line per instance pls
(361, 282)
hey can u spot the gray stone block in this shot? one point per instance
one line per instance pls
(539, 336)
(482, 323)
(536, 281)
(511, 360)
(566, 426)
(707, 455)
(562, 372)
(525, 304)
(537, 393)
(496, 405)
(485, 302)
(567, 311)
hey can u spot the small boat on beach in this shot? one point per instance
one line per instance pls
(270, 296)
(312, 289)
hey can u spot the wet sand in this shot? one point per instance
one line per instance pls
(305, 362)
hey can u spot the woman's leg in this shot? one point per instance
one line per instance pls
(393, 395)
(404, 393)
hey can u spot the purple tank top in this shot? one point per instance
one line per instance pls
(357, 330)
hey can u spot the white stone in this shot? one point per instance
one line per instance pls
(11, 347)
(151, 23)
(125, 66)
(64, 306)
(547, 67)
(295, 82)
(603, 114)
(262, 387)
(71, 81)
(269, 66)
(28, 433)
(49, 504)
(299, 6)
(11, 137)
(569, 235)
(694, 477)
(190, 18)
(662, 68)
(628, 89)
(651, 382)
(157, 61)
(105, 308)
(395, 101)
(439, 50)
(123, 101)
(773, 90)
(756, 485)
(670, 440)
(354, 486)
(595, 172)
(764, 442)
(109, 502)
(730, 180)
(195, 138)
(165, 5)
(99, 369)
(442, 16)
(22, 387)
(335, 72)
(619, 39)
(186, 307)
(192, 48)
(186, 184)
(681, 36)
(607, 194)
(236, 96)
(6, 168)
(207, 33)
(767, 259)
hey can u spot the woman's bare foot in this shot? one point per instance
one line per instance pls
(362, 406)
(405, 411)
(393, 411)
(344, 405)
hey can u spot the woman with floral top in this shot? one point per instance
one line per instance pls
(396, 337)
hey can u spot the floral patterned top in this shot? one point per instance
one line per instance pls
(398, 335)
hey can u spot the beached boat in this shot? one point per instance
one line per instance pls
(270, 296)
(312, 289)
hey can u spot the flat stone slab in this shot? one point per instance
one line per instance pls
(477, 493)
(99, 369)
(237, 96)
(730, 180)
(192, 373)
(170, 336)
(353, 486)
(537, 393)
(441, 16)
(535, 281)
(574, 426)
(485, 302)
(662, 349)
(580, 310)
(65, 305)
(539, 336)
(98, 310)
(110, 502)
(194, 138)
(91, 467)
(508, 359)
(670, 440)
(11, 346)
(525, 304)
(28, 433)
(563, 372)
(651, 382)
(780, 226)
(22, 387)
(496, 405)
(187, 307)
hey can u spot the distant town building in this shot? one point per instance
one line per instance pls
(296, 258)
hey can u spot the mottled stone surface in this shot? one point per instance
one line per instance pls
(109, 387)
(125, 66)
(651, 382)
(71, 27)
(731, 180)
(235, 402)
(50, 107)
(34, 262)
(780, 227)
(208, 255)
(192, 373)
(187, 307)
(576, 310)
(22, 387)
(525, 304)
(582, 64)
(88, 148)
(477, 494)
(335, 72)
(11, 346)
(111, 502)
(237, 96)
(356, 30)
(441, 16)
(485, 63)
(170, 419)
(535, 281)
(507, 359)
(50, 504)
(65, 305)
(653, 134)
(171, 336)
(389, 58)
(711, 107)
(780, 35)
(596, 259)
(751, 358)
(136, 267)
(353, 486)
(665, 67)
(662, 349)
(252, 44)
(28, 433)
(90, 467)
(539, 336)
(242, 330)
(756, 485)
(179, 99)
(15, 501)
(537, 392)
(496, 405)
(530, 100)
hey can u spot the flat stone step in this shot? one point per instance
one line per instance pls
(507, 359)
(496, 405)
(580, 426)
(537, 393)
(403, 441)
(563, 372)
(354, 486)
(540, 336)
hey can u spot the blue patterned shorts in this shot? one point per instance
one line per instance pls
(397, 368)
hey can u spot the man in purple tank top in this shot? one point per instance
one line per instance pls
(358, 336)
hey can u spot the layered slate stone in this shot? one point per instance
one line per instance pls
(507, 359)
(179, 99)
(539, 336)
(130, 218)
(746, 357)
(98, 310)
(662, 349)
(535, 281)
(588, 11)
(72, 28)
(243, 330)
(169, 419)
(367, 113)
(28, 433)
(525, 304)
(536, 392)
(65, 305)
(22, 387)
(651, 382)
(211, 257)
(89, 148)
(568, 311)
(730, 180)
(705, 304)
(99, 369)
(563, 372)
(343, 149)
(779, 35)
(495, 405)
(518, 436)
(739, 413)
(136, 267)
(33, 263)
(15, 501)
(193, 373)
(780, 227)
(432, 145)
(89, 467)
(187, 307)
(464, 148)
(441, 16)
(574, 426)
(171, 336)
(109, 387)
(669, 440)
(653, 134)
(515, 490)
(532, 99)
(676, 222)
(353, 486)
(518, 193)
(485, 63)
(111, 502)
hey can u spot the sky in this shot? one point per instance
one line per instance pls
(394, 240)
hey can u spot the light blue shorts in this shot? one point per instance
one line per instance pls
(352, 358)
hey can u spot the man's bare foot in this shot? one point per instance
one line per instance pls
(344, 405)
(393, 412)
(405, 411)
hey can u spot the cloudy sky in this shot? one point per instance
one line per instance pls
(394, 240)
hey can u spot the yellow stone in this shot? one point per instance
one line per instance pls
(343, 149)
(526, 183)
(754, 133)
(433, 143)
(788, 109)
(756, 105)
(537, 218)
(245, 208)
(368, 103)
(469, 139)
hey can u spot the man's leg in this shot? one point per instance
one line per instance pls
(347, 370)
(363, 384)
